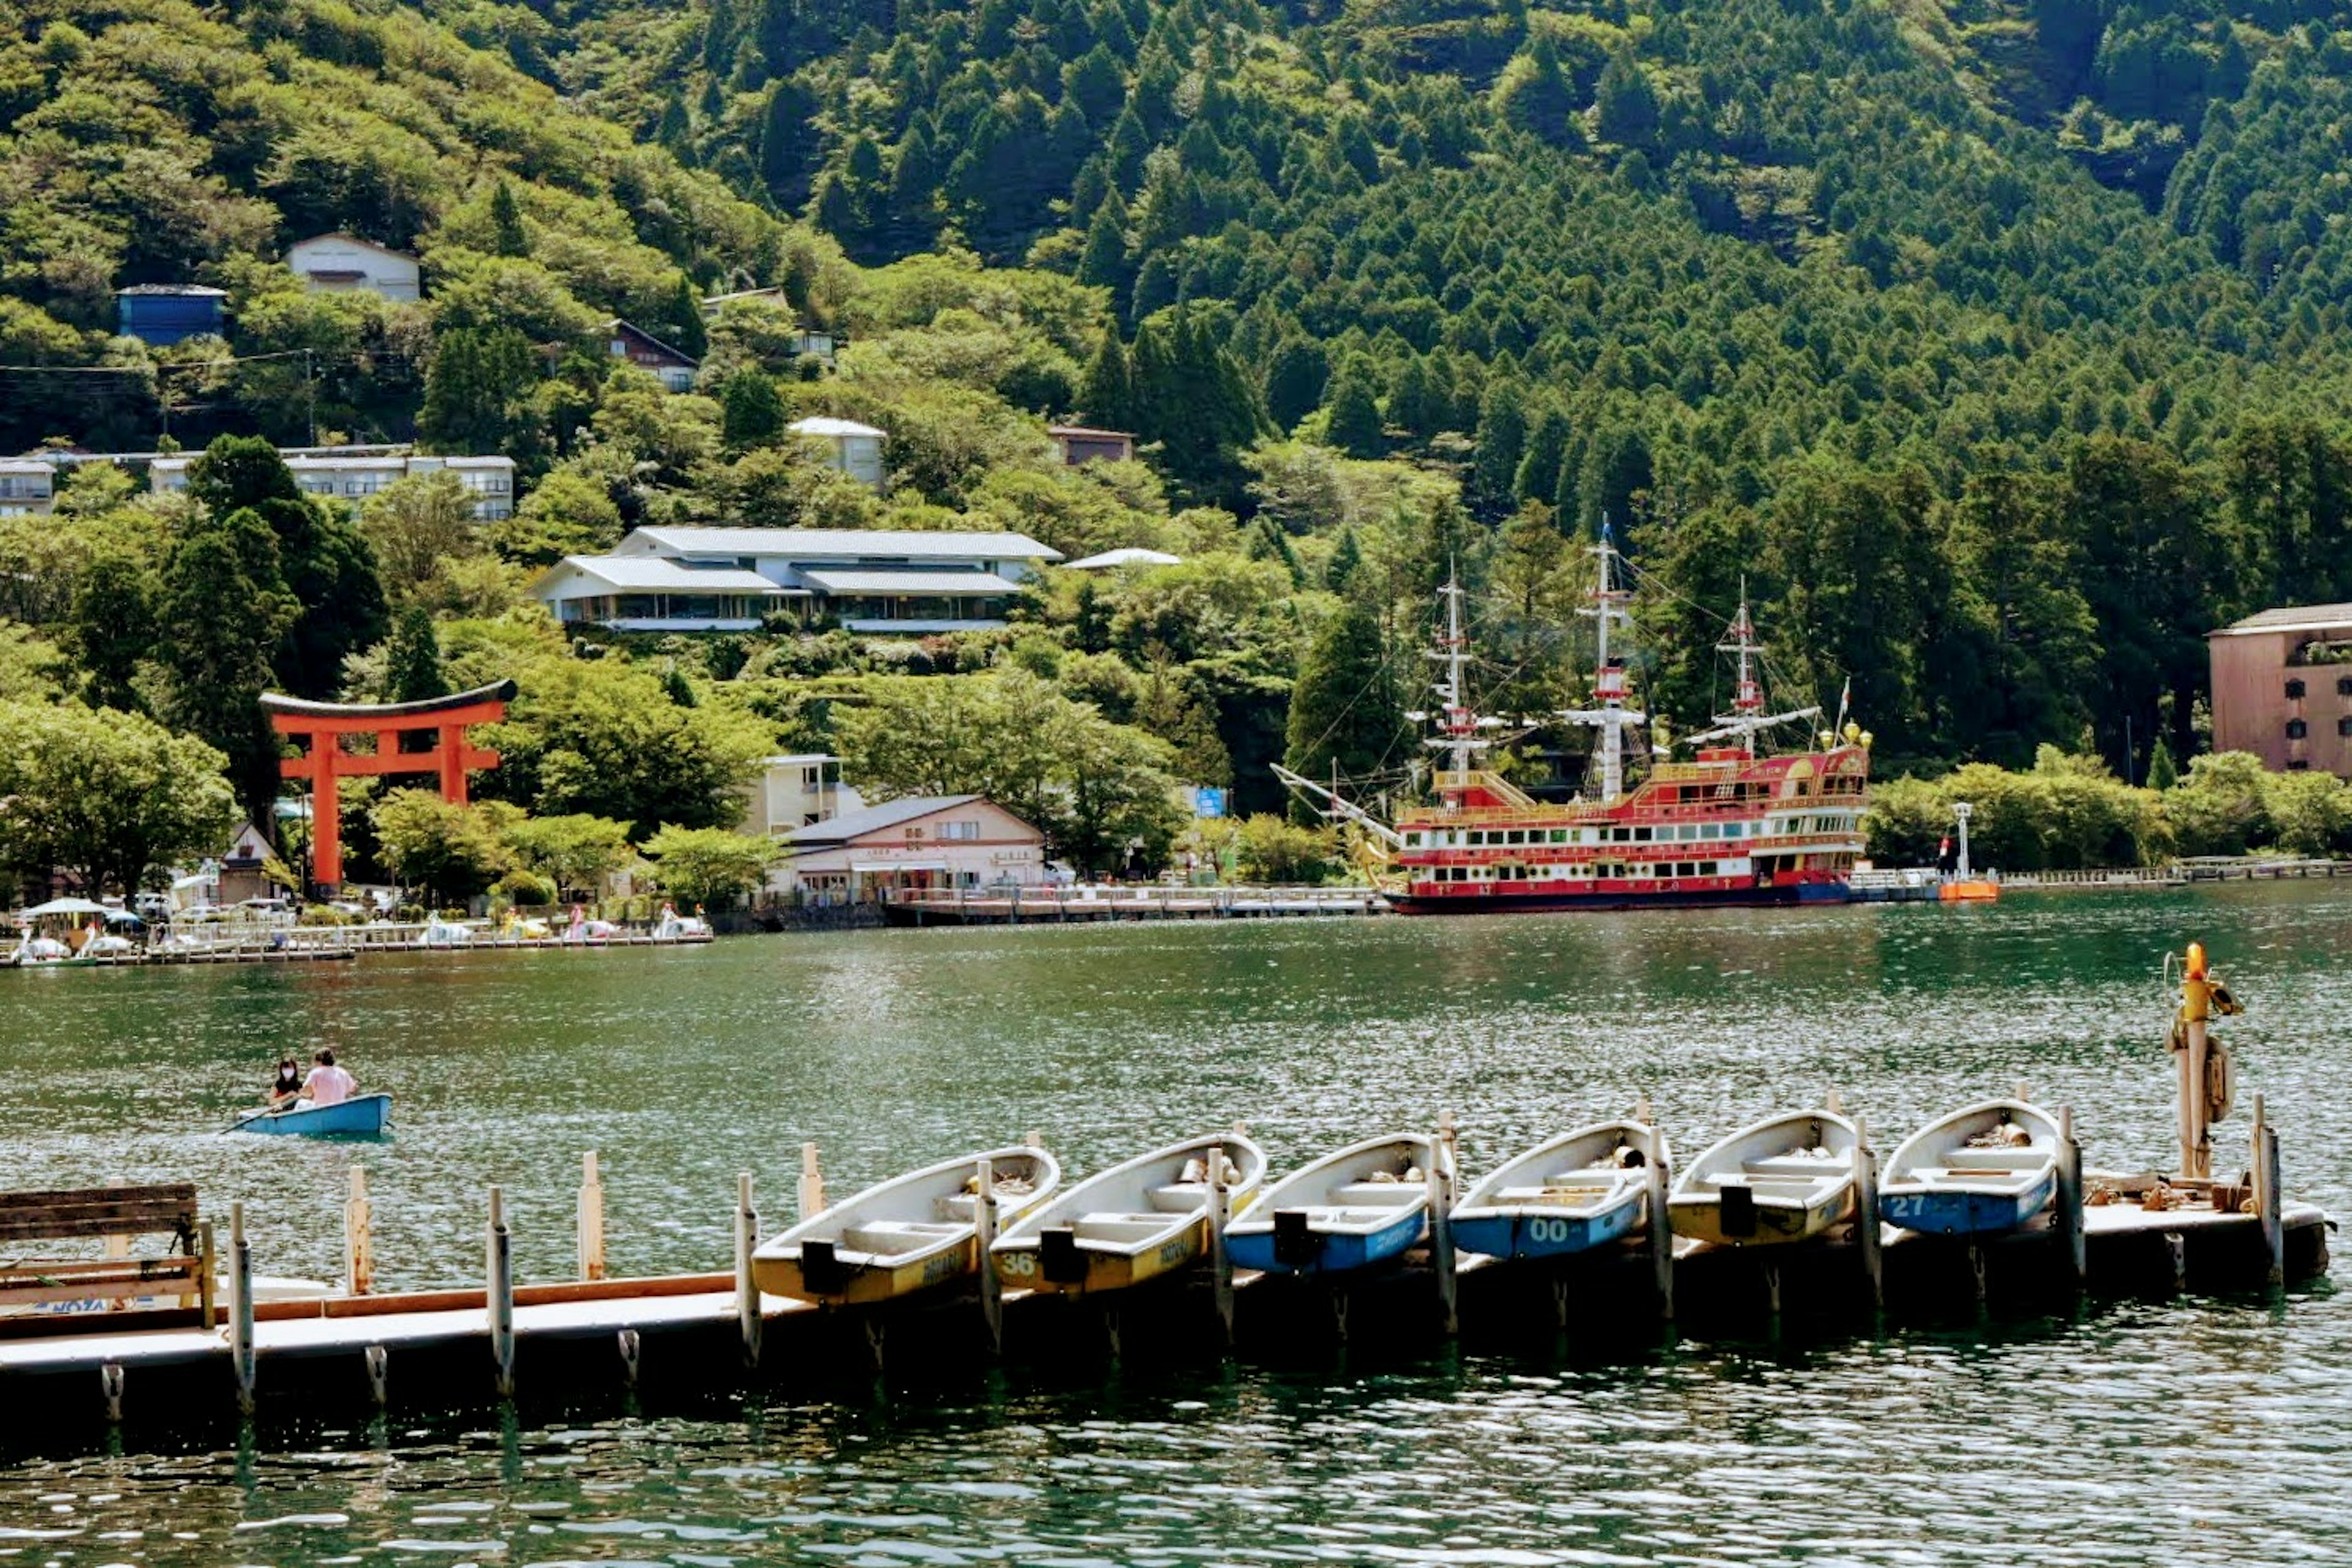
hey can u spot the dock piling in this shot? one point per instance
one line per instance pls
(1660, 1233)
(205, 1303)
(1865, 1220)
(240, 1307)
(1221, 1261)
(1440, 1223)
(631, 1349)
(2268, 1204)
(359, 1237)
(984, 1235)
(379, 1373)
(812, 1188)
(2177, 1244)
(592, 1219)
(747, 1237)
(499, 1293)
(110, 1384)
(2069, 1204)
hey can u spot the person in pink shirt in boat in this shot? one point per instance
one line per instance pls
(329, 1084)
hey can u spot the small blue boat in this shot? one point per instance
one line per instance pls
(361, 1116)
(1984, 1170)
(1581, 1190)
(1366, 1204)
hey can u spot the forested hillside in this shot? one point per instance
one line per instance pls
(1999, 345)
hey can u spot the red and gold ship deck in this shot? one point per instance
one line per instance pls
(1728, 828)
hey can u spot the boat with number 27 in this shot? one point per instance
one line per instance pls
(1730, 826)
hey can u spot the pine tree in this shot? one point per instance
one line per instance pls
(1501, 444)
(1296, 375)
(2162, 773)
(752, 412)
(789, 142)
(1104, 262)
(113, 629)
(228, 607)
(1346, 562)
(1354, 426)
(1106, 394)
(1344, 710)
(412, 672)
(676, 686)
(688, 334)
(1628, 104)
(506, 235)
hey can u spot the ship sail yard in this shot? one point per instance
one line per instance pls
(1732, 825)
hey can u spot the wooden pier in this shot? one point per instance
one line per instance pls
(330, 944)
(1022, 906)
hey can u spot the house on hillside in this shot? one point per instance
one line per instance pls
(793, 792)
(856, 450)
(162, 313)
(920, 843)
(28, 487)
(727, 579)
(490, 482)
(674, 368)
(1078, 444)
(344, 263)
(2283, 687)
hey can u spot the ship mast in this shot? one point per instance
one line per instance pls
(1746, 715)
(1457, 726)
(1611, 717)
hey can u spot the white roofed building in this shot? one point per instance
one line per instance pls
(727, 579)
(489, 480)
(1131, 556)
(856, 450)
(28, 487)
(916, 844)
(343, 263)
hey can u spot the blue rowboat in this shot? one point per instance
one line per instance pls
(361, 1116)
(1365, 1205)
(1984, 1170)
(1581, 1190)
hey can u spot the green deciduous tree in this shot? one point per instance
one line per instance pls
(448, 851)
(228, 607)
(576, 851)
(710, 865)
(104, 797)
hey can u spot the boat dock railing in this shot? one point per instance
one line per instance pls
(1014, 905)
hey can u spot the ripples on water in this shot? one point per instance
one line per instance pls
(2139, 1433)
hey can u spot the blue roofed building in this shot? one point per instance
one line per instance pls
(162, 314)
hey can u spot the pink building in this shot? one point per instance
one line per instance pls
(2283, 687)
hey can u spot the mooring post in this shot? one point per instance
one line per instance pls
(747, 1289)
(499, 1293)
(2196, 1011)
(110, 1385)
(1865, 1220)
(209, 1262)
(378, 1361)
(2268, 1202)
(592, 1219)
(240, 1307)
(359, 1239)
(1659, 1177)
(1440, 1223)
(2069, 1204)
(984, 1235)
(812, 1191)
(1220, 1262)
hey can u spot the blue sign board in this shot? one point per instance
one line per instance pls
(1208, 801)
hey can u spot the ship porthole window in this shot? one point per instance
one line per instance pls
(2344, 685)
(2297, 729)
(2294, 688)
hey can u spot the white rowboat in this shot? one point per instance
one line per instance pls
(1979, 1171)
(1577, 1192)
(1134, 1221)
(915, 1232)
(1782, 1179)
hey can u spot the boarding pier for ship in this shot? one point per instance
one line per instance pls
(1060, 905)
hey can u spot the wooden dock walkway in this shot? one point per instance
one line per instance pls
(1022, 905)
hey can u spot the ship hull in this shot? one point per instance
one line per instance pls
(1479, 902)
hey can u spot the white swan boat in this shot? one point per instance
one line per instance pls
(1581, 1190)
(1363, 1205)
(1134, 1221)
(1979, 1171)
(915, 1232)
(1784, 1179)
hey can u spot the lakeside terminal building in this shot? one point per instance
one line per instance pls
(729, 579)
(2283, 687)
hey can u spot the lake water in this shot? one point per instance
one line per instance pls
(2154, 1432)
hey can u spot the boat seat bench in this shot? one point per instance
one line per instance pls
(885, 1237)
(1379, 1194)
(116, 1216)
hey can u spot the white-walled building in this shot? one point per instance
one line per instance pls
(489, 480)
(856, 450)
(727, 579)
(900, 846)
(673, 367)
(28, 487)
(793, 792)
(346, 263)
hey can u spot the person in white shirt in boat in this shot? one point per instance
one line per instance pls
(328, 1084)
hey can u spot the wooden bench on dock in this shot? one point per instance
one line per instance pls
(115, 1217)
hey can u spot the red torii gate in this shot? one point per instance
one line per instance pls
(320, 727)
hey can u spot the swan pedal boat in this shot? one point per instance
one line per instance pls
(361, 1116)
(1785, 1179)
(1361, 1206)
(1952, 1178)
(1581, 1190)
(913, 1233)
(1132, 1223)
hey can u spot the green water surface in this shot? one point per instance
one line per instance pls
(2150, 1433)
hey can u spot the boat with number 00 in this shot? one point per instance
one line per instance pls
(1579, 1191)
(1134, 1221)
(1730, 826)
(913, 1233)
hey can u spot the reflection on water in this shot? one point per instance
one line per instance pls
(2141, 1434)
